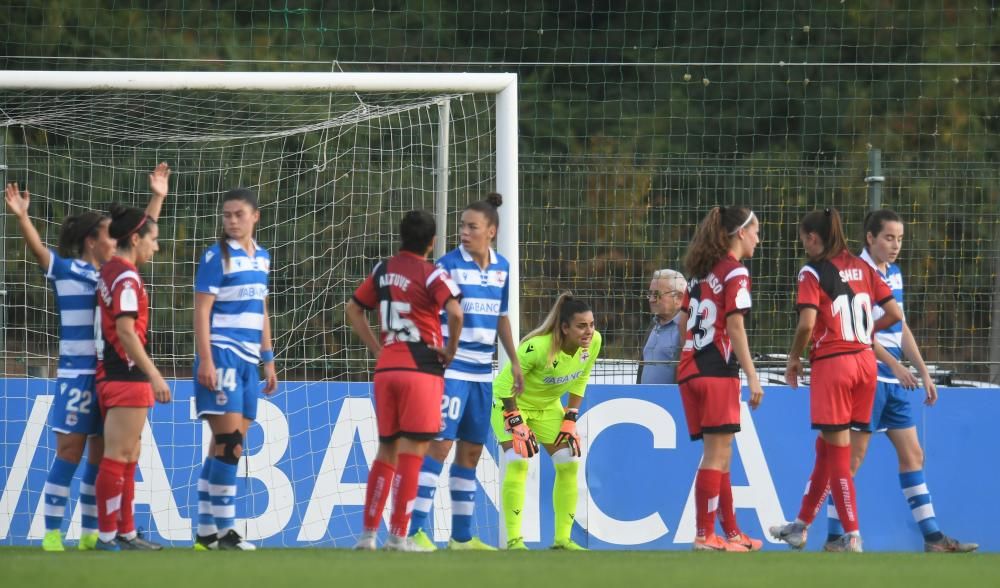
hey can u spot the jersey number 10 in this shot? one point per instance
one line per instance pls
(855, 317)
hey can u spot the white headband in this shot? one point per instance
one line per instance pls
(744, 225)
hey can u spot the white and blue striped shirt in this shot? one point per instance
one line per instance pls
(892, 337)
(74, 282)
(484, 301)
(237, 319)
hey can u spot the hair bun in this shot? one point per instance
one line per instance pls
(495, 199)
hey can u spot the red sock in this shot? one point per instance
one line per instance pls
(377, 492)
(405, 487)
(706, 499)
(818, 484)
(126, 520)
(842, 486)
(108, 490)
(727, 514)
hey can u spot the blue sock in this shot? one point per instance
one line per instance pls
(463, 500)
(919, 498)
(88, 499)
(222, 491)
(834, 529)
(430, 471)
(206, 521)
(57, 492)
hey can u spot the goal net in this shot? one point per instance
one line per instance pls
(334, 162)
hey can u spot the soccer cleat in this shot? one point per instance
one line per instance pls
(232, 541)
(396, 543)
(474, 544)
(948, 545)
(366, 542)
(87, 542)
(746, 541)
(421, 539)
(846, 543)
(516, 544)
(137, 543)
(206, 542)
(568, 545)
(53, 541)
(107, 545)
(794, 534)
(715, 543)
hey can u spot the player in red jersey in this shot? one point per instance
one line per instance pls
(408, 292)
(836, 294)
(715, 339)
(127, 379)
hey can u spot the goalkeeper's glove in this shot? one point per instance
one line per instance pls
(567, 433)
(524, 438)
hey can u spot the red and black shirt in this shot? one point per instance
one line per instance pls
(409, 293)
(121, 292)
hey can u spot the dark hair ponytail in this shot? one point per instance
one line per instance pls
(711, 240)
(875, 221)
(127, 221)
(488, 206)
(243, 195)
(75, 231)
(827, 224)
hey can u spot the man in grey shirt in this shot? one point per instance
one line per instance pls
(659, 356)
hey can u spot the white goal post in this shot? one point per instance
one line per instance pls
(503, 85)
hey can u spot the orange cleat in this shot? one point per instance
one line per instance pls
(715, 543)
(749, 543)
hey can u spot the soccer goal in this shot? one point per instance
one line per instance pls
(335, 159)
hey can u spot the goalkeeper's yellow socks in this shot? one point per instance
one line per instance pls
(512, 492)
(564, 493)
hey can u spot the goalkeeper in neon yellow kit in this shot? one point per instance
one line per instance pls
(555, 358)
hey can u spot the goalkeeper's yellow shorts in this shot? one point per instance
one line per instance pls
(545, 422)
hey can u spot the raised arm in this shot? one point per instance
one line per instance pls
(17, 203)
(159, 185)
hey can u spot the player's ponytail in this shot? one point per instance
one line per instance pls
(827, 224)
(75, 231)
(561, 314)
(243, 195)
(488, 207)
(875, 221)
(712, 237)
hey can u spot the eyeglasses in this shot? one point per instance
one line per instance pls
(656, 294)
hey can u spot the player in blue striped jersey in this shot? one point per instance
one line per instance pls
(482, 275)
(84, 245)
(232, 337)
(892, 413)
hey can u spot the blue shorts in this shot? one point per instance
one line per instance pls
(892, 409)
(75, 409)
(465, 411)
(239, 383)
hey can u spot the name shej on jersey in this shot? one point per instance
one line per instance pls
(843, 290)
(709, 301)
(484, 301)
(891, 338)
(240, 288)
(547, 378)
(75, 285)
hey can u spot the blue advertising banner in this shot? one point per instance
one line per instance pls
(306, 461)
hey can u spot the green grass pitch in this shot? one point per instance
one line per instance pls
(306, 568)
